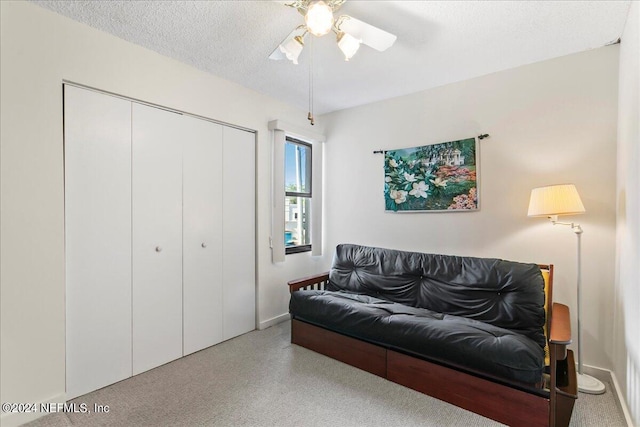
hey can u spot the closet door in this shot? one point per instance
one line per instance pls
(157, 236)
(97, 138)
(238, 238)
(202, 234)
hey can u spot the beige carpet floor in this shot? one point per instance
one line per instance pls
(260, 379)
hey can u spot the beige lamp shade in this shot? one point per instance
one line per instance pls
(560, 199)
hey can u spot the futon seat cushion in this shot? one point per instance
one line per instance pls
(448, 339)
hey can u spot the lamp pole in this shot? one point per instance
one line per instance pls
(578, 230)
(586, 383)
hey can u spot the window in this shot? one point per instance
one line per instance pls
(307, 227)
(298, 196)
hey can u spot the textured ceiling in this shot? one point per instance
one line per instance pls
(439, 42)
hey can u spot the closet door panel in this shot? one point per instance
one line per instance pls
(202, 234)
(97, 134)
(157, 237)
(238, 232)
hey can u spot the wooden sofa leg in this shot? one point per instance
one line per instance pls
(566, 395)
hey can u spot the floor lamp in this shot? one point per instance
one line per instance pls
(552, 201)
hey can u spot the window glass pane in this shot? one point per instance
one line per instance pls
(297, 162)
(297, 226)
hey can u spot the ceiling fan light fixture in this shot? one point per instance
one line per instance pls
(292, 48)
(348, 44)
(319, 18)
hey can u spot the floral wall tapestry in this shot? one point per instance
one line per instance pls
(436, 177)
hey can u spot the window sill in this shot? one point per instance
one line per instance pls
(297, 249)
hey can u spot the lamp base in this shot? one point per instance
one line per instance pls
(590, 385)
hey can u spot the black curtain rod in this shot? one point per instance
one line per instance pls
(480, 137)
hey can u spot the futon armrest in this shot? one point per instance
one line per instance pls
(318, 281)
(560, 325)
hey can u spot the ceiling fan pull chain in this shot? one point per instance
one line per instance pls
(310, 115)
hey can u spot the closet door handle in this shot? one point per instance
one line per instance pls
(158, 249)
(204, 245)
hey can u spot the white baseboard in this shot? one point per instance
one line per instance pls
(14, 419)
(621, 401)
(608, 376)
(274, 321)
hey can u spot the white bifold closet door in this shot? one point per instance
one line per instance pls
(160, 236)
(97, 138)
(202, 234)
(157, 236)
(239, 232)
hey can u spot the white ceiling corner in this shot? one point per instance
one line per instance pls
(439, 42)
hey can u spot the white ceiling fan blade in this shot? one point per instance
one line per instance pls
(370, 35)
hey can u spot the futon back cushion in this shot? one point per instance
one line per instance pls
(506, 294)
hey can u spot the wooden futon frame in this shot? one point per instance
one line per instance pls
(551, 405)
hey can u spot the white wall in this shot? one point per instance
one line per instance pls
(38, 50)
(550, 122)
(626, 361)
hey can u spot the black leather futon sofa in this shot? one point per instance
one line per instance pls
(470, 331)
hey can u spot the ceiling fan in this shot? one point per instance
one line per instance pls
(319, 20)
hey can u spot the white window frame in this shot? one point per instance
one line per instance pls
(300, 195)
(280, 131)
